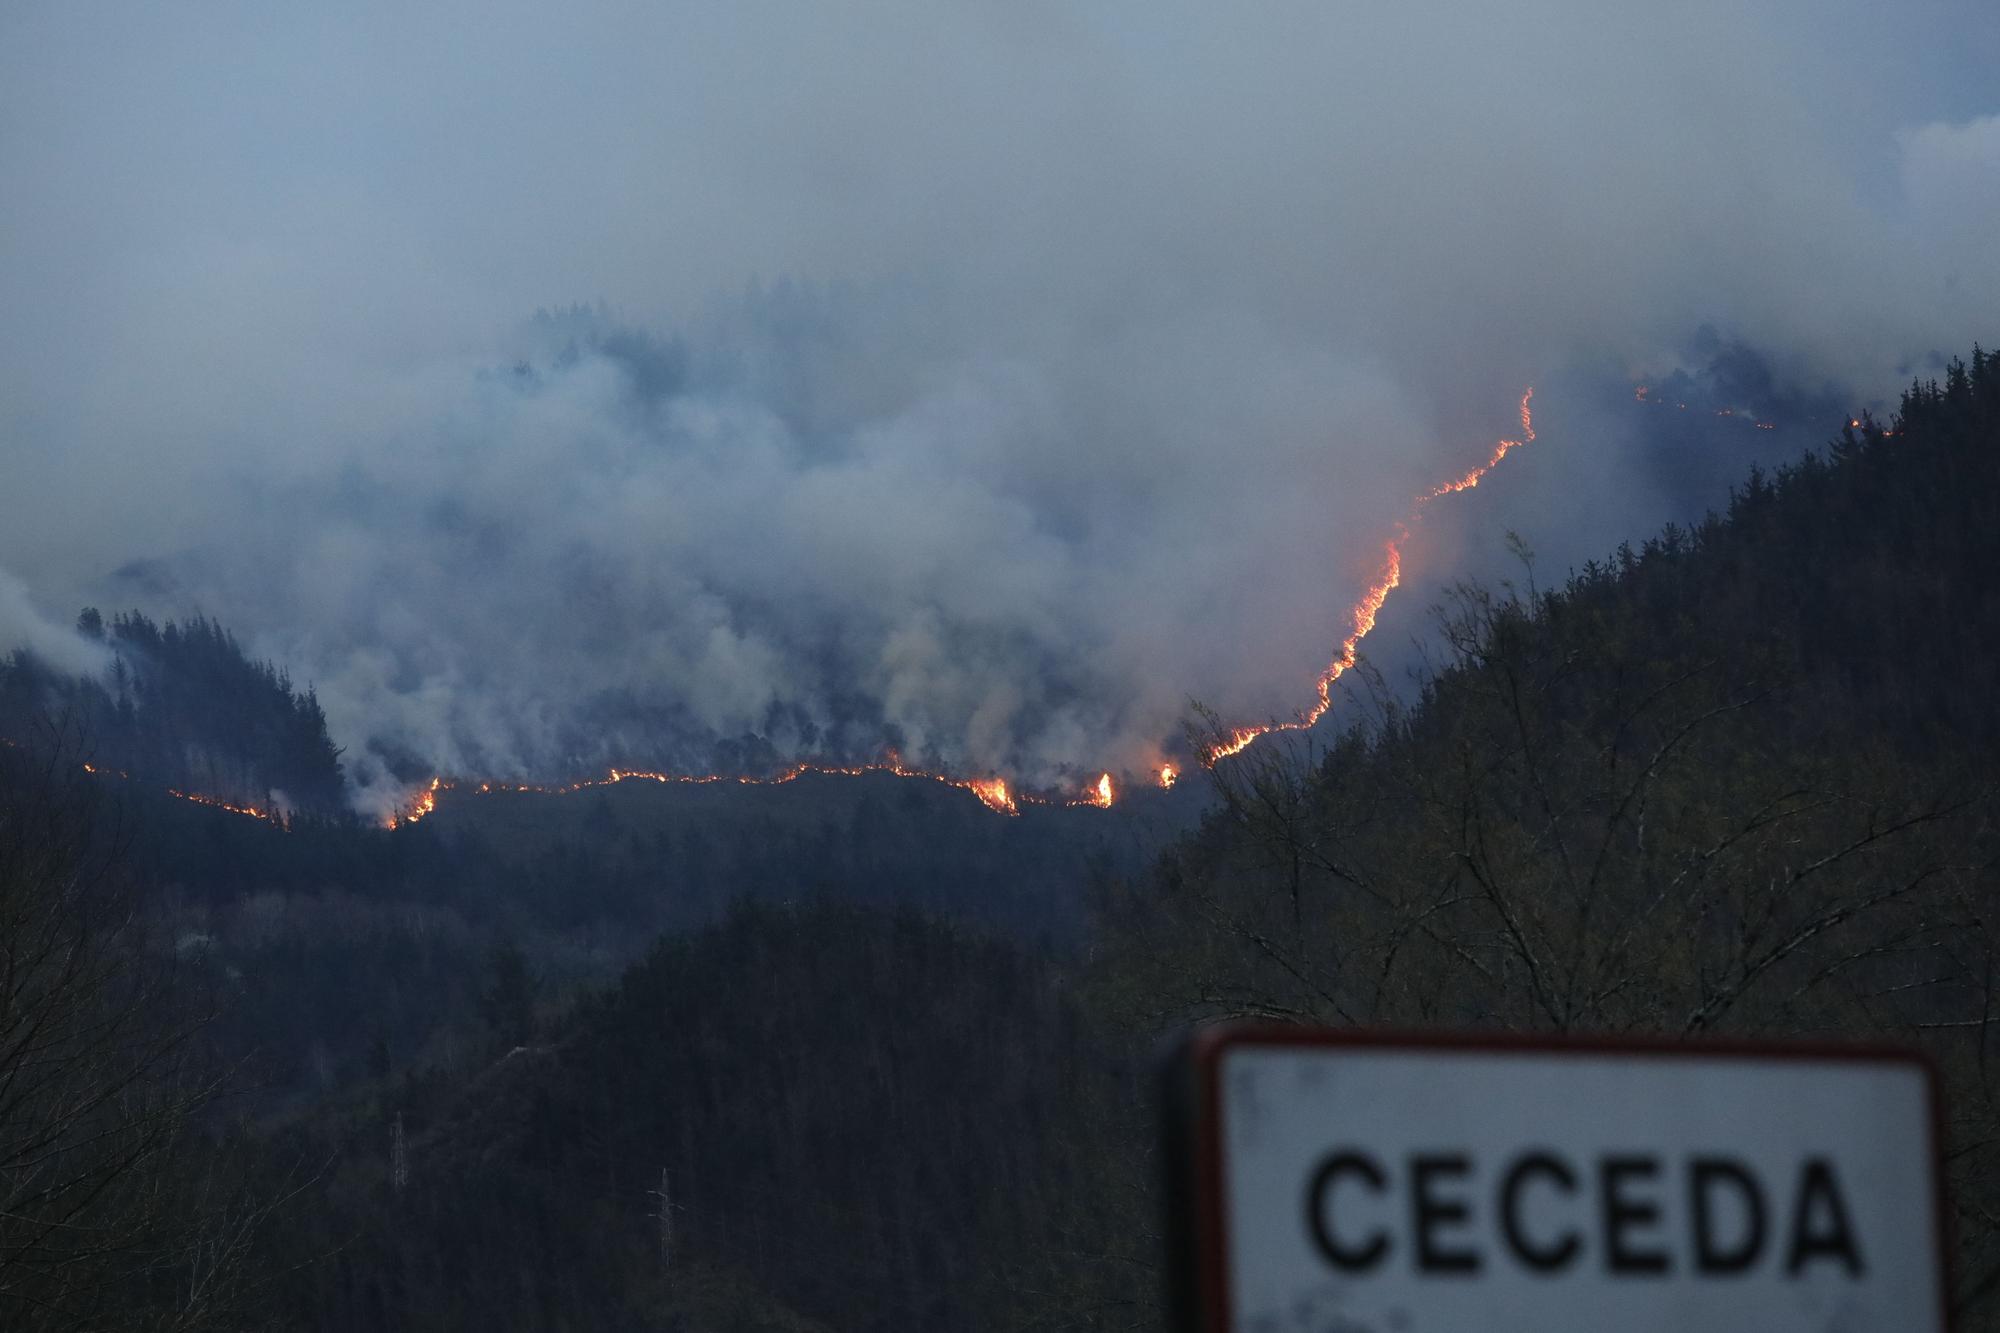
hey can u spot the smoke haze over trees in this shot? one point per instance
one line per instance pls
(518, 392)
(181, 706)
(1110, 340)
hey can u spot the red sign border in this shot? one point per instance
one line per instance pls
(1194, 1106)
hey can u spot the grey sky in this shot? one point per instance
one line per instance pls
(1125, 326)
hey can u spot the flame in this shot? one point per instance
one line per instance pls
(1101, 796)
(1167, 776)
(420, 805)
(1386, 581)
(217, 803)
(993, 791)
(273, 816)
(1472, 478)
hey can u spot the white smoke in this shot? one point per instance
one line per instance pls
(1125, 333)
(23, 625)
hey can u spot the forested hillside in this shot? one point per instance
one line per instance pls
(347, 953)
(869, 1056)
(877, 1120)
(1740, 779)
(184, 706)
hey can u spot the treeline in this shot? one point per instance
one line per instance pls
(182, 705)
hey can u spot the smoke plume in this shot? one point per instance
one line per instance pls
(981, 380)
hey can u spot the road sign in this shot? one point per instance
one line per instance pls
(1339, 1182)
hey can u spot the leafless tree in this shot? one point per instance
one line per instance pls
(1574, 833)
(113, 1214)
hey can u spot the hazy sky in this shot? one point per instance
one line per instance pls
(1016, 370)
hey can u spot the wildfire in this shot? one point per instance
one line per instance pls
(1386, 581)
(420, 805)
(1500, 451)
(277, 817)
(217, 803)
(993, 791)
(1643, 393)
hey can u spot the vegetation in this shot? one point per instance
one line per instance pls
(117, 1209)
(852, 1056)
(1742, 779)
(184, 706)
(866, 1116)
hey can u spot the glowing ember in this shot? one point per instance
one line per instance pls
(993, 792)
(216, 803)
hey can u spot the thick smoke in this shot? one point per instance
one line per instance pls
(23, 626)
(1117, 338)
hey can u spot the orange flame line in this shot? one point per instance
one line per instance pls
(1370, 606)
(994, 792)
(422, 804)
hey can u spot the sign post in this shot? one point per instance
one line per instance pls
(1344, 1182)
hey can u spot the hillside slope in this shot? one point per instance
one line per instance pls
(1739, 779)
(182, 705)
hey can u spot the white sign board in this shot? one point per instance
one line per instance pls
(1345, 1184)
